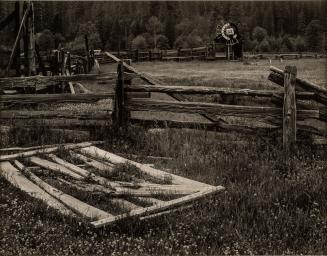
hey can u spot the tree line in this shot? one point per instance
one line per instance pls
(264, 26)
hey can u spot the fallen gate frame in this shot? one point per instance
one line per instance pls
(22, 177)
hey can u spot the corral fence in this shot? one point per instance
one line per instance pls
(181, 54)
(297, 109)
(204, 53)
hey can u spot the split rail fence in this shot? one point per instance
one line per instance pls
(182, 54)
(297, 109)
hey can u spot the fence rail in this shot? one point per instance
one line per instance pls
(199, 53)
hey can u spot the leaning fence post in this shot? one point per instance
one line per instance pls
(119, 114)
(289, 112)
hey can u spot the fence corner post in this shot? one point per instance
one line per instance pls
(119, 114)
(289, 113)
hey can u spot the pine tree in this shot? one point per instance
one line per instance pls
(301, 23)
(313, 35)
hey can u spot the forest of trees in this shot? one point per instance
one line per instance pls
(264, 26)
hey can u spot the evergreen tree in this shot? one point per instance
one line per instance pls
(301, 25)
(314, 35)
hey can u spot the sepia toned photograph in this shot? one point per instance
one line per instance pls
(163, 128)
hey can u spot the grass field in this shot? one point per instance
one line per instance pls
(262, 211)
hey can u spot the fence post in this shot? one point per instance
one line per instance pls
(119, 115)
(137, 55)
(289, 112)
(150, 55)
(87, 53)
(17, 24)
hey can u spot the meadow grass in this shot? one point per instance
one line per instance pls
(262, 211)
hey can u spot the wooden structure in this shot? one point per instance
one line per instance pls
(151, 194)
(286, 115)
(283, 111)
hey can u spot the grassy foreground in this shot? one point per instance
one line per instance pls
(262, 211)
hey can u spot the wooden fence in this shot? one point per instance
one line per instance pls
(297, 109)
(200, 53)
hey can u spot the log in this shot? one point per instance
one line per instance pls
(123, 204)
(17, 179)
(74, 204)
(94, 163)
(158, 207)
(30, 148)
(145, 190)
(54, 167)
(105, 155)
(307, 85)
(212, 108)
(321, 92)
(41, 81)
(289, 113)
(59, 123)
(48, 150)
(49, 114)
(93, 188)
(82, 88)
(98, 179)
(50, 98)
(69, 166)
(211, 90)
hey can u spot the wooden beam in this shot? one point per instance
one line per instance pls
(158, 207)
(289, 112)
(54, 167)
(18, 180)
(42, 81)
(115, 159)
(93, 163)
(119, 114)
(83, 88)
(47, 98)
(73, 203)
(48, 150)
(212, 108)
(60, 123)
(302, 82)
(30, 148)
(69, 166)
(40, 114)
(321, 92)
(96, 178)
(211, 90)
